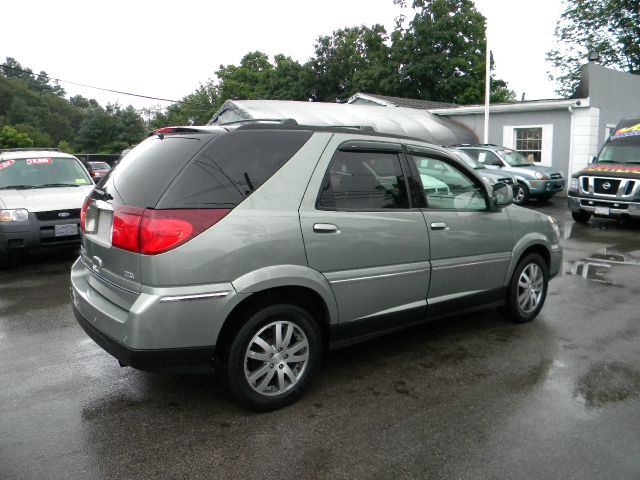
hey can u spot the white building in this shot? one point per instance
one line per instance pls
(565, 133)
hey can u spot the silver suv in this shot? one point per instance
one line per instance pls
(532, 180)
(252, 248)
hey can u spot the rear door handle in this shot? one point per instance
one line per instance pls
(439, 226)
(325, 228)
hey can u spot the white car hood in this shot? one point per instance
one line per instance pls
(45, 199)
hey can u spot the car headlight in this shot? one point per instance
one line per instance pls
(489, 180)
(554, 226)
(542, 176)
(18, 215)
(573, 185)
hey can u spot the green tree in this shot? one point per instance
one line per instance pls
(350, 60)
(11, 138)
(247, 81)
(609, 27)
(289, 80)
(441, 53)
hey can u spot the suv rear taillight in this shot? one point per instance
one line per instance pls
(151, 232)
(83, 213)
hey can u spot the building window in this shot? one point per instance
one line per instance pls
(529, 143)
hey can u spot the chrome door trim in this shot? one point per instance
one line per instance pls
(200, 296)
(398, 309)
(374, 277)
(449, 263)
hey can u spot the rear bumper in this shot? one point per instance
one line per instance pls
(617, 209)
(154, 329)
(174, 359)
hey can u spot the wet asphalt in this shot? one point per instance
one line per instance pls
(469, 397)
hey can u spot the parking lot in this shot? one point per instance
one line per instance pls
(463, 398)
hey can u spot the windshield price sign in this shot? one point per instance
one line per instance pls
(39, 161)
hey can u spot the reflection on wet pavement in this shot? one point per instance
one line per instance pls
(598, 266)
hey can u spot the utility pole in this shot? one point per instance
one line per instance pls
(487, 88)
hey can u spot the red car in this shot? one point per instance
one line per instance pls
(97, 170)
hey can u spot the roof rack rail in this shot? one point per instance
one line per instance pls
(32, 149)
(284, 121)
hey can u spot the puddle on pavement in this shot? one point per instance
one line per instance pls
(607, 383)
(606, 266)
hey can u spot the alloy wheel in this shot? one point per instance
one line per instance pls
(276, 358)
(518, 194)
(530, 288)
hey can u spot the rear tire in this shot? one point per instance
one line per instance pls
(581, 216)
(527, 290)
(273, 357)
(520, 194)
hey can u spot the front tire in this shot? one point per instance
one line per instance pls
(520, 194)
(527, 290)
(273, 357)
(581, 216)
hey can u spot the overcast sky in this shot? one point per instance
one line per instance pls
(167, 48)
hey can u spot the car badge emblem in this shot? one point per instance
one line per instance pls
(606, 185)
(64, 214)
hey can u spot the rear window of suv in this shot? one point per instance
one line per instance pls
(231, 167)
(145, 173)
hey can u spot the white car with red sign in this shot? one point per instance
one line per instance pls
(41, 194)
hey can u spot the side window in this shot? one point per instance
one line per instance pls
(446, 187)
(363, 181)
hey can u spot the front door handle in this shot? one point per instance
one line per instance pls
(325, 228)
(439, 226)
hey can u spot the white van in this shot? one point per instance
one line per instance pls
(41, 195)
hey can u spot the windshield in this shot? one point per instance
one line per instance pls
(620, 152)
(468, 160)
(514, 158)
(42, 173)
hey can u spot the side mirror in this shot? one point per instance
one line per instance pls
(502, 195)
(594, 159)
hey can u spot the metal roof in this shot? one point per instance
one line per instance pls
(401, 102)
(407, 122)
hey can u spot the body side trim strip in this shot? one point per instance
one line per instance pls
(382, 275)
(184, 298)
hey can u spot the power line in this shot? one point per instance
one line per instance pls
(90, 86)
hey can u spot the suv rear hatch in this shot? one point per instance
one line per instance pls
(110, 245)
(169, 189)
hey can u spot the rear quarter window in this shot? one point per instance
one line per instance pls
(231, 167)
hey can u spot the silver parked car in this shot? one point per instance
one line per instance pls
(489, 175)
(533, 181)
(252, 247)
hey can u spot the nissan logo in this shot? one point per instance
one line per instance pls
(64, 214)
(606, 185)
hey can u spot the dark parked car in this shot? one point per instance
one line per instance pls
(253, 247)
(97, 170)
